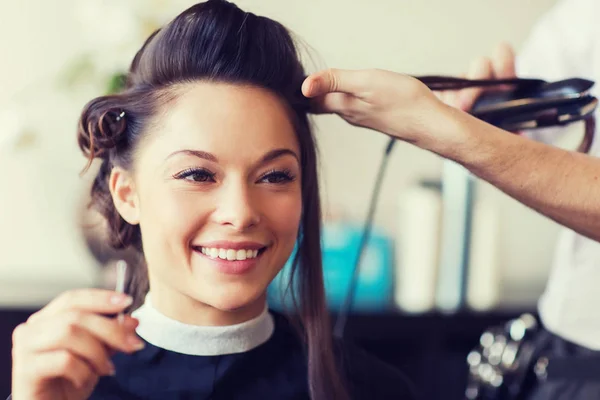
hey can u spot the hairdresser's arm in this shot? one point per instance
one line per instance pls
(560, 184)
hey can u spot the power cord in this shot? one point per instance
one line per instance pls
(340, 323)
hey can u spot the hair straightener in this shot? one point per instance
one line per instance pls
(511, 104)
(528, 103)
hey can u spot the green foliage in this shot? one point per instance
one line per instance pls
(116, 83)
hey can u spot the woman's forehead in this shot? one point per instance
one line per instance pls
(221, 118)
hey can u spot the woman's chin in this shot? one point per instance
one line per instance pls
(229, 293)
(234, 300)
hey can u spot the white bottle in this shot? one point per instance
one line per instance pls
(417, 247)
(483, 282)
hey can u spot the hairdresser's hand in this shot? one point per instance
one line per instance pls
(395, 104)
(501, 65)
(62, 350)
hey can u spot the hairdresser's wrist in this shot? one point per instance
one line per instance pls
(473, 143)
(446, 131)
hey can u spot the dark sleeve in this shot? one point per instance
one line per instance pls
(370, 378)
(9, 397)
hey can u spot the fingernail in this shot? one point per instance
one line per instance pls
(464, 103)
(111, 369)
(131, 322)
(135, 343)
(314, 87)
(121, 299)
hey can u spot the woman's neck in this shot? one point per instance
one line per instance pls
(183, 308)
(201, 340)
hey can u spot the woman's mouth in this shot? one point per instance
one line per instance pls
(230, 254)
(231, 260)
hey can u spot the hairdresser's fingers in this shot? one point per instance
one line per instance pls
(342, 104)
(332, 80)
(451, 97)
(503, 61)
(91, 300)
(59, 364)
(480, 69)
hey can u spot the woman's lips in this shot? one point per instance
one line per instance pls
(230, 260)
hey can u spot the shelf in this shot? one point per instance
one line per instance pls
(398, 324)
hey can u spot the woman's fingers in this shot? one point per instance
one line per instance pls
(105, 330)
(90, 300)
(77, 341)
(72, 339)
(62, 364)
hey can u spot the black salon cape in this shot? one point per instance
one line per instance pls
(274, 370)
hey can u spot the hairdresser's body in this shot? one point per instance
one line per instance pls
(563, 44)
(208, 169)
(563, 185)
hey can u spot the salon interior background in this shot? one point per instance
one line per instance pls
(42, 248)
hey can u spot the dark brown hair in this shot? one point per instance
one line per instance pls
(217, 41)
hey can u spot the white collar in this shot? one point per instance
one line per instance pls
(169, 334)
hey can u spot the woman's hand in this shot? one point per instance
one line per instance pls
(62, 350)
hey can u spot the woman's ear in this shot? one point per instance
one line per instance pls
(124, 195)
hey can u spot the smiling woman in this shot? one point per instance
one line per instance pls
(208, 169)
(219, 175)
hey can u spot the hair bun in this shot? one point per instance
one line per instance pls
(101, 129)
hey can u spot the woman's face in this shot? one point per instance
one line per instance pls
(216, 189)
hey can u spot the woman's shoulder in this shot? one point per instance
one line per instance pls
(370, 377)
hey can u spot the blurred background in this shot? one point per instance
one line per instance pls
(57, 55)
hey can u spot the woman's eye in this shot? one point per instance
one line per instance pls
(277, 177)
(196, 175)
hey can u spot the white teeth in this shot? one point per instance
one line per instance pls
(229, 254)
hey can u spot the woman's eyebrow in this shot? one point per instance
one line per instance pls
(197, 153)
(270, 156)
(273, 154)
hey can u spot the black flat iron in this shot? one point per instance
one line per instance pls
(528, 103)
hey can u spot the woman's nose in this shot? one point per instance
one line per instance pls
(236, 208)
